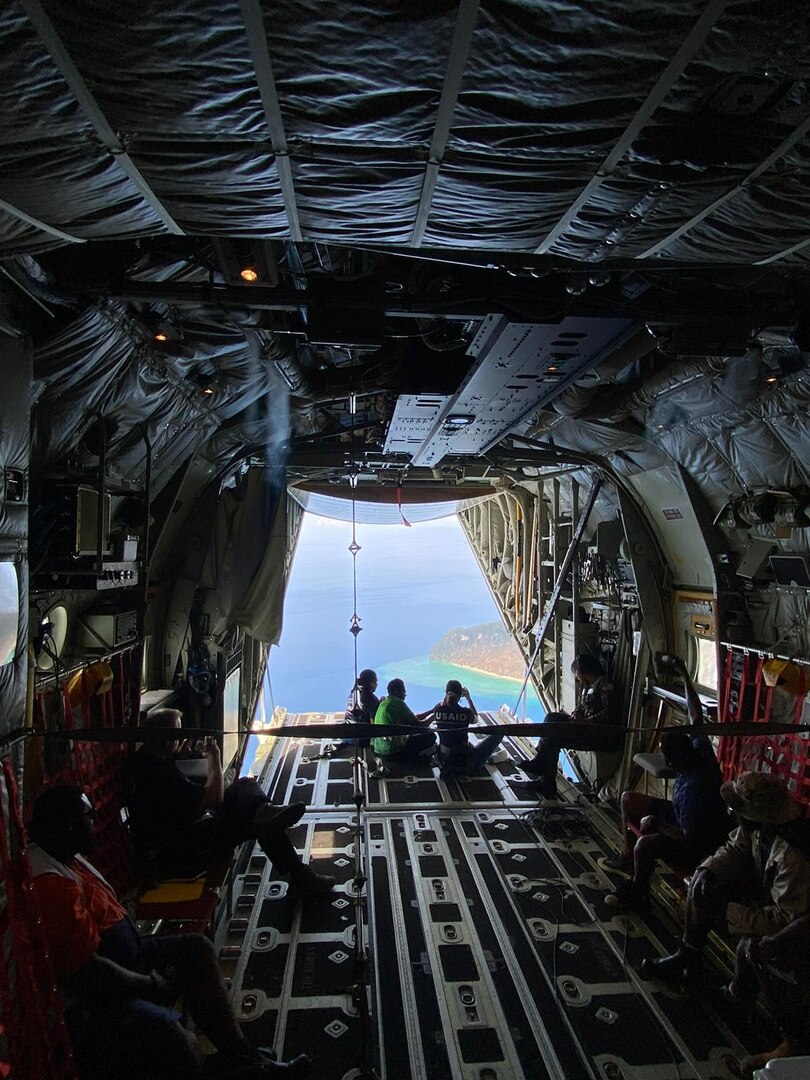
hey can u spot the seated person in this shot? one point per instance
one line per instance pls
(360, 708)
(401, 749)
(596, 706)
(186, 826)
(687, 829)
(756, 884)
(118, 986)
(779, 966)
(455, 720)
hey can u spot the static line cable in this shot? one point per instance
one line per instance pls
(564, 733)
(360, 969)
(354, 628)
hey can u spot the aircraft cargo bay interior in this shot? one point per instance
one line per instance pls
(539, 269)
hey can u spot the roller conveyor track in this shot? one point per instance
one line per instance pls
(491, 955)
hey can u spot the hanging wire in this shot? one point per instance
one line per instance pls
(360, 967)
(354, 628)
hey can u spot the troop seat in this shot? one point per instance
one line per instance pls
(156, 699)
(186, 905)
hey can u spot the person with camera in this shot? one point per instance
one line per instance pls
(453, 721)
(185, 827)
(685, 829)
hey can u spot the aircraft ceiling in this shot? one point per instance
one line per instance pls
(646, 129)
(395, 175)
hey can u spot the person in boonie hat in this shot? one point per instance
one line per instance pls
(756, 883)
(761, 798)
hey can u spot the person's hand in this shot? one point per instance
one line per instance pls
(161, 991)
(704, 884)
(649, 824)
(211, 750)
(465, 692)
(763, 950)
(578, 717)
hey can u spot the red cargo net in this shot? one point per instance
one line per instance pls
(746, 697)
(34, 1043)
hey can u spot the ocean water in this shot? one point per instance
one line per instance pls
(413, 585)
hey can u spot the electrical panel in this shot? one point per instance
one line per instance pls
(86, 511)
(107, 630)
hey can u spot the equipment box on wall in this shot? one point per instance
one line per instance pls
(107, 631)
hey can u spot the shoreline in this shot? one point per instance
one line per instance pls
(478, 671)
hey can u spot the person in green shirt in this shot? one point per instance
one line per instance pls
(393, 710)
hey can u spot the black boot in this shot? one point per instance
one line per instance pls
(628, 897)
(682, 968)
(270, 818)
(305, 883)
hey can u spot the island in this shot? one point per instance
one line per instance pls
(488, 648)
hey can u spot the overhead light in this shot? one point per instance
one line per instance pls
(459, 420)
(205, 380)
(166, 333)
(249, 273)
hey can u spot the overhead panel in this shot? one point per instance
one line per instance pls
(413, 420)
(517, 368)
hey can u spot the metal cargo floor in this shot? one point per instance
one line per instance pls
(490, 953)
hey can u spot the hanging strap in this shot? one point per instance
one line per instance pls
(399, 506)
(800, 697)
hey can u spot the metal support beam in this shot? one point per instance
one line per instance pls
(257, 41)
(70, 73)
(654, 99)
(42, 226)
(266, 298)
(459, 54)
(795, 136)
(565, 566)
(802, 244)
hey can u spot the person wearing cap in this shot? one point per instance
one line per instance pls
(119, 988)
(686, 829)
(453, 721)
(755, 884)
(361, 707)
(401, 749)
(596, 705)
(184, 826)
